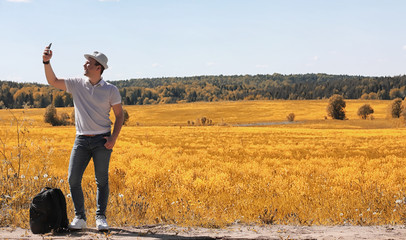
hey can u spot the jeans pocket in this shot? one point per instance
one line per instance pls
(101, 140)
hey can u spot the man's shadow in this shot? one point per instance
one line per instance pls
(124, 233)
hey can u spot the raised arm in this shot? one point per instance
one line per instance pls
(49, 72)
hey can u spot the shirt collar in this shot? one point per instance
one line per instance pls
(100, 83)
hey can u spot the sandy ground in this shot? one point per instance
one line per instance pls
(235, 232)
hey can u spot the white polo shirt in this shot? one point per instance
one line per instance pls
(92, 105)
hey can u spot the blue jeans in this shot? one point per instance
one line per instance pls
(83, 150)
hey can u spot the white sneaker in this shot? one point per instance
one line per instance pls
(77, 224)
(101, 223)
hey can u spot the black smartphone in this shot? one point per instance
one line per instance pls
(49, 47)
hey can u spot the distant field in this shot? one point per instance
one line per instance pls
(228, 112)
(245, 111)
(314, 171)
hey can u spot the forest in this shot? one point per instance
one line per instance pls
(144, 91)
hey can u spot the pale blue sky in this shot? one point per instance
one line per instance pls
(176, 38)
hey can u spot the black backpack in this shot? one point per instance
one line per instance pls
(48, 211)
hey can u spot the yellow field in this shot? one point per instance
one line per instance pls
(314, 171)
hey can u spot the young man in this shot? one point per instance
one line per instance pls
(93, 99)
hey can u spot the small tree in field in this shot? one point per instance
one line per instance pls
(51, 116)
(396, 108)
(126, 116)
(291, 117)
(72, 116)
(365, 110)
(336, 107)
(64, 119)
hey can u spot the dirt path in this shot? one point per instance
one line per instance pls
(235, 232)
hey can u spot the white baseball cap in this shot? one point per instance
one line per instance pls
(99, 57)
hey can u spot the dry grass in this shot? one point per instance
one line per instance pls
(315, 171)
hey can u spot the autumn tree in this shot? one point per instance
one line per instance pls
(291, 117)
(396, 108)
(336, 107)
(72, 116)
(126, 116)
(365, 110)
(58, 100)
(397, 93)
(64, 119)
(51, 115)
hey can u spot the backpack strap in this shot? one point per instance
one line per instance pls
(59, 209)
(62, 203)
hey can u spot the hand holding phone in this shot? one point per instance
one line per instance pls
(47, 53)
(48, 48)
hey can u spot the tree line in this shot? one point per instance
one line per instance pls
(22, 95)
(217, 88)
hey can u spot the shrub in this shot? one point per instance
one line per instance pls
(395, 93)
(371, 95)
(365, 110)
(64, 119)
(336, 107)
(364, 96)
(203, 121)
(51, 116)
(72, 116)
(396, 108)
(291, 117)
(126, 116)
